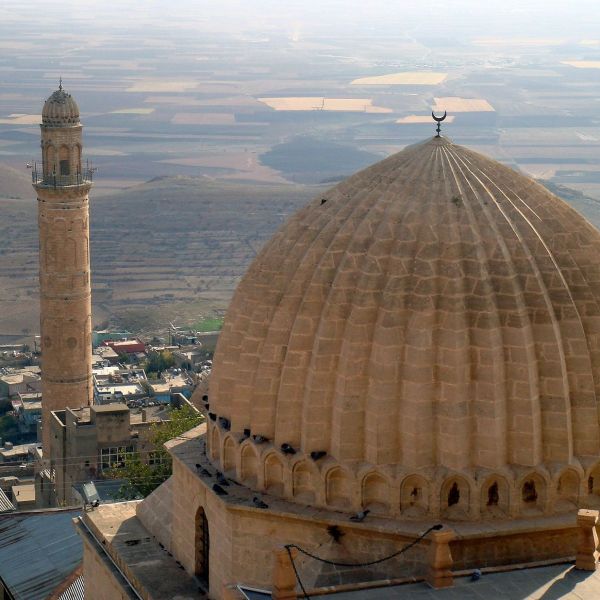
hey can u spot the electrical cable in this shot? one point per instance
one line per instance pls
(289, 547)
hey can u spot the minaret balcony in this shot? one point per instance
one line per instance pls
(53, 180)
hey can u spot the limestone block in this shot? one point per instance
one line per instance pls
(587, 543)
(284, 578)
(439, 574)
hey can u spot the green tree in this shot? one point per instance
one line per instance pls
(8, 426)
(143, 477)
(159, 361)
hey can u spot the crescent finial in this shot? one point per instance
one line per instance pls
(438, 120)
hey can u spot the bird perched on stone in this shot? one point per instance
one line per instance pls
(259, 503)
(246, 434)
(218, 490)
(212, 416)
(323, 200)
(260, 439)
(204, 471)
(336, 533)
(317, 454)
(359, 517)
(287, 449)
(476, 575)
(221, 478)
(225, 423)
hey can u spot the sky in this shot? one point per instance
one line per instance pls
(452, 18)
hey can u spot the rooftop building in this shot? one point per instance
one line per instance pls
(23, 380)
(134, 346)
(91, 440)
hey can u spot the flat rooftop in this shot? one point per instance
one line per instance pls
(24, 492)
(144, 561)
(541, 583)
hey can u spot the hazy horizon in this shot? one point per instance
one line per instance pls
(511, 18)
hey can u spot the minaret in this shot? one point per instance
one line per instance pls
(62, 188)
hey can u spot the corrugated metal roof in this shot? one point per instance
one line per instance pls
(106, 491)
(38, 550)
(6, 505)
(75, 591)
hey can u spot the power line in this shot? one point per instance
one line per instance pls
(333, 563)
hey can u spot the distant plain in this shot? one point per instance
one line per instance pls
(239, 126)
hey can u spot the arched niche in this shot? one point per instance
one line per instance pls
(303, 484)
(455, 498)
(64, 160)
(86, 251)
(51, 250)
(375, 493)
(593, 487)
(49, 160)
(414, 496)
(229, 449)
(567, 491)
(77, 158)
(495, 497)
(88, 336)
(69, 254)
(249, 466)
(339, 488)
(532, 494)
(201, 547)
(274, 474)
(215, 442)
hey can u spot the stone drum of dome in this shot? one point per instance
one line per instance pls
(422, 339)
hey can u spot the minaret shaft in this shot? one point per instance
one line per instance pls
(65, 291)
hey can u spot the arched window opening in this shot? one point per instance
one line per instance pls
(529, 493)
(453, 495)
(455, 498)
(414, 496)
(493, 495)
(593, 487)
(64, 161)
(202, 548)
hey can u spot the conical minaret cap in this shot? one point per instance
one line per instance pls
(60, 110)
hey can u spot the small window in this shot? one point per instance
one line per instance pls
(529, 492)
(453, 495)
(493, 495)
(64, 167)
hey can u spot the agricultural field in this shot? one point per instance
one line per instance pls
(406, 78)
(207, 133)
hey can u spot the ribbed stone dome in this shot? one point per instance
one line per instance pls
(432, 324)
(60, 110)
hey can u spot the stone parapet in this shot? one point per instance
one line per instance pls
(439, 572)
(587, 544)
(395, 491)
